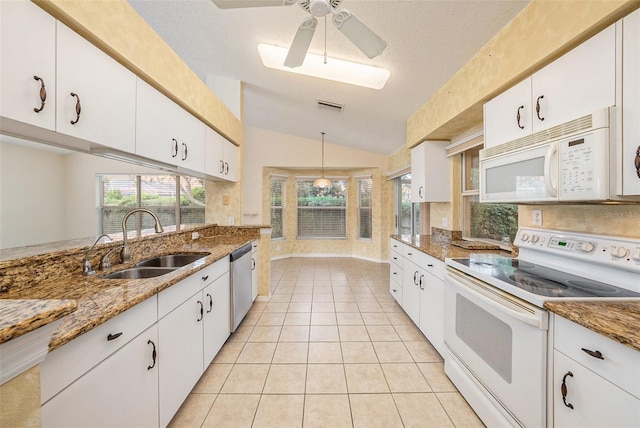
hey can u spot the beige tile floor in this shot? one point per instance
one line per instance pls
(330, 349)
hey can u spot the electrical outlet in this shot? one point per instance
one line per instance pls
(231, 220)
(445, 222)
(195, 235)
(536, 217)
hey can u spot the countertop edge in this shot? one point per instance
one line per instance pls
(26, 315)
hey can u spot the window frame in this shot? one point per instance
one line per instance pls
(414, 211)
(343, 208)
(282, 181)
(359, 182)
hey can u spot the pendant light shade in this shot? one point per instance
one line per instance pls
(322, 182)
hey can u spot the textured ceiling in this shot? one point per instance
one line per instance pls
(427, 42)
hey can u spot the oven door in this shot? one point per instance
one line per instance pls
(526, 176)
(500, 343)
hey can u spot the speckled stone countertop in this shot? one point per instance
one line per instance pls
(441, 248)
(97, 299)
(23, 316)
(618, 321)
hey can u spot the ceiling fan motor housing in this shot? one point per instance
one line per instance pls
(319, 8)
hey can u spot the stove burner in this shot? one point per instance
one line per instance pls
(540, 286)
(594, 287)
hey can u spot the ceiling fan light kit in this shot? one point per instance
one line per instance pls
(335, 69)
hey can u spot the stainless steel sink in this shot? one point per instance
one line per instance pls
(139, 273)
(172, 260)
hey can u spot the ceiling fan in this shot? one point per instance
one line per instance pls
(360, 35)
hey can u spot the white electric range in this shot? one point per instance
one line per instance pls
(495, 323)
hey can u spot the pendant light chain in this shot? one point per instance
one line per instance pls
(325, 42)
(322, 154)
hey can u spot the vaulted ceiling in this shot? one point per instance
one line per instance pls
(427, 43)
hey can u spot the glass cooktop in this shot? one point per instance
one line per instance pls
(541, 280)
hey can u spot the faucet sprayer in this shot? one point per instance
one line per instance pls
(125, 253)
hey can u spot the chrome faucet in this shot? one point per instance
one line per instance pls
(125, 253)
(86, 266)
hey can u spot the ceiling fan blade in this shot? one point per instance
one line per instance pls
(360, 35)
(301, 42)
(233, 4)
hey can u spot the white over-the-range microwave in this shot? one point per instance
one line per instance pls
(571, 162)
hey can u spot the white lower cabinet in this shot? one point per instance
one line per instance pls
(136, 369)
(596, 380)
(411, 281)
(217, 317)
(432, 302)
(255, 276)
(181, 361)
(121, 391)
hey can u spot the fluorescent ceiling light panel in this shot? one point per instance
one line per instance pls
(335, 69)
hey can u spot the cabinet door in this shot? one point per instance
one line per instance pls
(156, 122)
(122, 391)
(508, 116)
(230, 161)
(576, 84)
(631, 104)
(217, 320)
(596, 402)
(27, 49)
(411, 290)
(255, 277)
(103, 109)
(192, 141)
(432, 311)
(181, 355)
(430, 173)
(214, 153)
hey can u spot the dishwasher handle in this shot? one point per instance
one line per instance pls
(235, 255)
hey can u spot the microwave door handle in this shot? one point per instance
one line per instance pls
(551, 170)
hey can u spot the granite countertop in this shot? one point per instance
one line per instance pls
(97, 299)
(616, 320)
(442, 248)
(22, 316)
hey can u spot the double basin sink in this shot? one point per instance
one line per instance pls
(156, 266)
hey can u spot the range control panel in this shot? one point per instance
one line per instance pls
(603, 249)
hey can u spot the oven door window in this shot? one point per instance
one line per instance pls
(472, 323)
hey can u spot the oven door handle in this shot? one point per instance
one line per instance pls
(498, 299)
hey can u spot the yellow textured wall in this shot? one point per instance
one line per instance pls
(116, 28)
(540, 33)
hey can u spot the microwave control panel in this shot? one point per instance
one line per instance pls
(583, 166)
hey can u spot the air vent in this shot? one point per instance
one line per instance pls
(331, 106)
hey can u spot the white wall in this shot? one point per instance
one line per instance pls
(264, 148)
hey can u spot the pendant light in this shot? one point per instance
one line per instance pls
(322, 182)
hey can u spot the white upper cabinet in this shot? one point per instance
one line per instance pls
(574, 85)
(430, 172)
(96, 96)
(631, 104)
(221, 157)
(167, 133)
(28, 57)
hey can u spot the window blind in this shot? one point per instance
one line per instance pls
(322, 212)
(365, 187)
(277, 207)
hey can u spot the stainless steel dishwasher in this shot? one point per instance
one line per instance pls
(240, 284)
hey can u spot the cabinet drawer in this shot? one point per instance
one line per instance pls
(395, 245)
(173, 296)
(395, 276)
(411, 253)
(621, 365)
(69, 362)
(396, 259)
(396, 291)
(432, 265)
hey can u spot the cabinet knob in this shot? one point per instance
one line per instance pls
(78, 108)
(421, 191)
(226, 168)
(43, 94)
(518, 117)
(538, 107)
(204, 278)
(594, 354)
(420, 283)
(210, 302)
(201, 311)
(563, 390)
(114, 336)
(185, 151)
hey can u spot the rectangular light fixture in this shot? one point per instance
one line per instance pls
(335, 69)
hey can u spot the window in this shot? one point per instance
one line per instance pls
(277, 206)
(364, 208)
(483, 221)
(408, 213)
(121, 193)
(322, 213)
